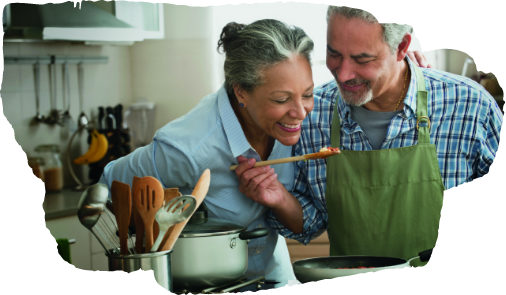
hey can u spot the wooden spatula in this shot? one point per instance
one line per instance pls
(139, 224)
(199, 192)
(122, 205)
(148, 198)
(168, 195)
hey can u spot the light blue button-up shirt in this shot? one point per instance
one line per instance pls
(210, 136)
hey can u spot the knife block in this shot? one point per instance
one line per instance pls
(119, 146)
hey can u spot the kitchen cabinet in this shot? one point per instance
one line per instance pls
(61, 219)
(70, 228)
(141, 15)
(318, 247)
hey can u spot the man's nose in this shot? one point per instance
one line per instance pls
(345, 71)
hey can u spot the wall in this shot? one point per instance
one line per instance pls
(104, 85)
(175, 73)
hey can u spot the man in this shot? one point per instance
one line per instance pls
(405, 133)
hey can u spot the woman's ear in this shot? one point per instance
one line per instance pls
(240, 94)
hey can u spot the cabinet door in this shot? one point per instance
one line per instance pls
(70, 228)
(142, 15)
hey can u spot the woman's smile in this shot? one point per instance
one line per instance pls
(288, 127)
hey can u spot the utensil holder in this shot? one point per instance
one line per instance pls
(159, 262)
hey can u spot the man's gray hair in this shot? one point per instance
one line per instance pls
(251, 49)
(392, 33)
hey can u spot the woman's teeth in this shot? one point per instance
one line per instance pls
(290, 126)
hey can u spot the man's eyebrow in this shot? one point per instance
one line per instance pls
(361, 55)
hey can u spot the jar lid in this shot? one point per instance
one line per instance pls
(48, 148)
(210, 227)
(37, 160)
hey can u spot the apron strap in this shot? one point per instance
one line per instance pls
(421, 108)
(421, 114)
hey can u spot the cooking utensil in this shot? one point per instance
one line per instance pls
(118, 114)
(67, 123)
(168, 195)
(321, 268)
(139, 224)
(54, 115)
(90, 207)
(199, 193)
(211, 251)
(36, 79)
(83, 119)
(122, 204)
(177, 210)
(110, 120)
(313, 156)
(147, 199)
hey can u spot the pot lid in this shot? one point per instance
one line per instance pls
(210, 227)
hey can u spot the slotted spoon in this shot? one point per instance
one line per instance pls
(176, 211)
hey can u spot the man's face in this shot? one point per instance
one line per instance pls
(359, 59)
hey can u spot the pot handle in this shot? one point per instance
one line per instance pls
(425, 255)
(253, 234)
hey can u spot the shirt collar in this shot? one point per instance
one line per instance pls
(409, 100)
(235, 135)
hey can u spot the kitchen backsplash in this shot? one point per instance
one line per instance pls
(104, 85)
(175, 73)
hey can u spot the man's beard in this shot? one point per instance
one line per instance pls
(355, 98)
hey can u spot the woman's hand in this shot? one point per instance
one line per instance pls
(418, 59)
(259, 184)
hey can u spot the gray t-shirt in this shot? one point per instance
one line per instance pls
(374, 124)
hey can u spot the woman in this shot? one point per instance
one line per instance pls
(257, 114)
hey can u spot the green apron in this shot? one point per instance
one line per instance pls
(385, 202)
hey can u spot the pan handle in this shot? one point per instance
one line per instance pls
(425, 255)
(253, 234)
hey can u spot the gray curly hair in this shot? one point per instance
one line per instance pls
(251, 49)
(392, 33)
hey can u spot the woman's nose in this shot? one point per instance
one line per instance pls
(299, 110)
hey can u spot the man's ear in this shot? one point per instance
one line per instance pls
(403, 47)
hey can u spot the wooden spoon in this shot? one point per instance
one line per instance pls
(139, 224)
(199, 192)
(122, 205)
(148, 199)
(168, 195)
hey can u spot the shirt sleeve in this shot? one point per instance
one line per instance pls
(314, 212)
(492, 117)
(164, 160)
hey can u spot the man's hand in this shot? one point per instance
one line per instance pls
(259, 184)
(418, 59)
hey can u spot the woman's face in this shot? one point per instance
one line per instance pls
(278, 106)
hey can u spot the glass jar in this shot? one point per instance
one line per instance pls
(37, 165)
(53, 174)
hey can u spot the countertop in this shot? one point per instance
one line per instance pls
(61, 204)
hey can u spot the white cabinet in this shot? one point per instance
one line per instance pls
(86, 253)
(70, 228)
(145, 16)
(142, 15)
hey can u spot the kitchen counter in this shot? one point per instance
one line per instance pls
(61, 204)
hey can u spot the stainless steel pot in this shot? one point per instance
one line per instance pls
(210, 252)
(321, 268)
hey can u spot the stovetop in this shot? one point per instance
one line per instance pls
(241, 285)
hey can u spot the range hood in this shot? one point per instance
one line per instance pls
(65, 21)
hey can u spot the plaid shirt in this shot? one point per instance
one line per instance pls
(465, 127)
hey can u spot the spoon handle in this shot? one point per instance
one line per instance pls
(158, 240)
